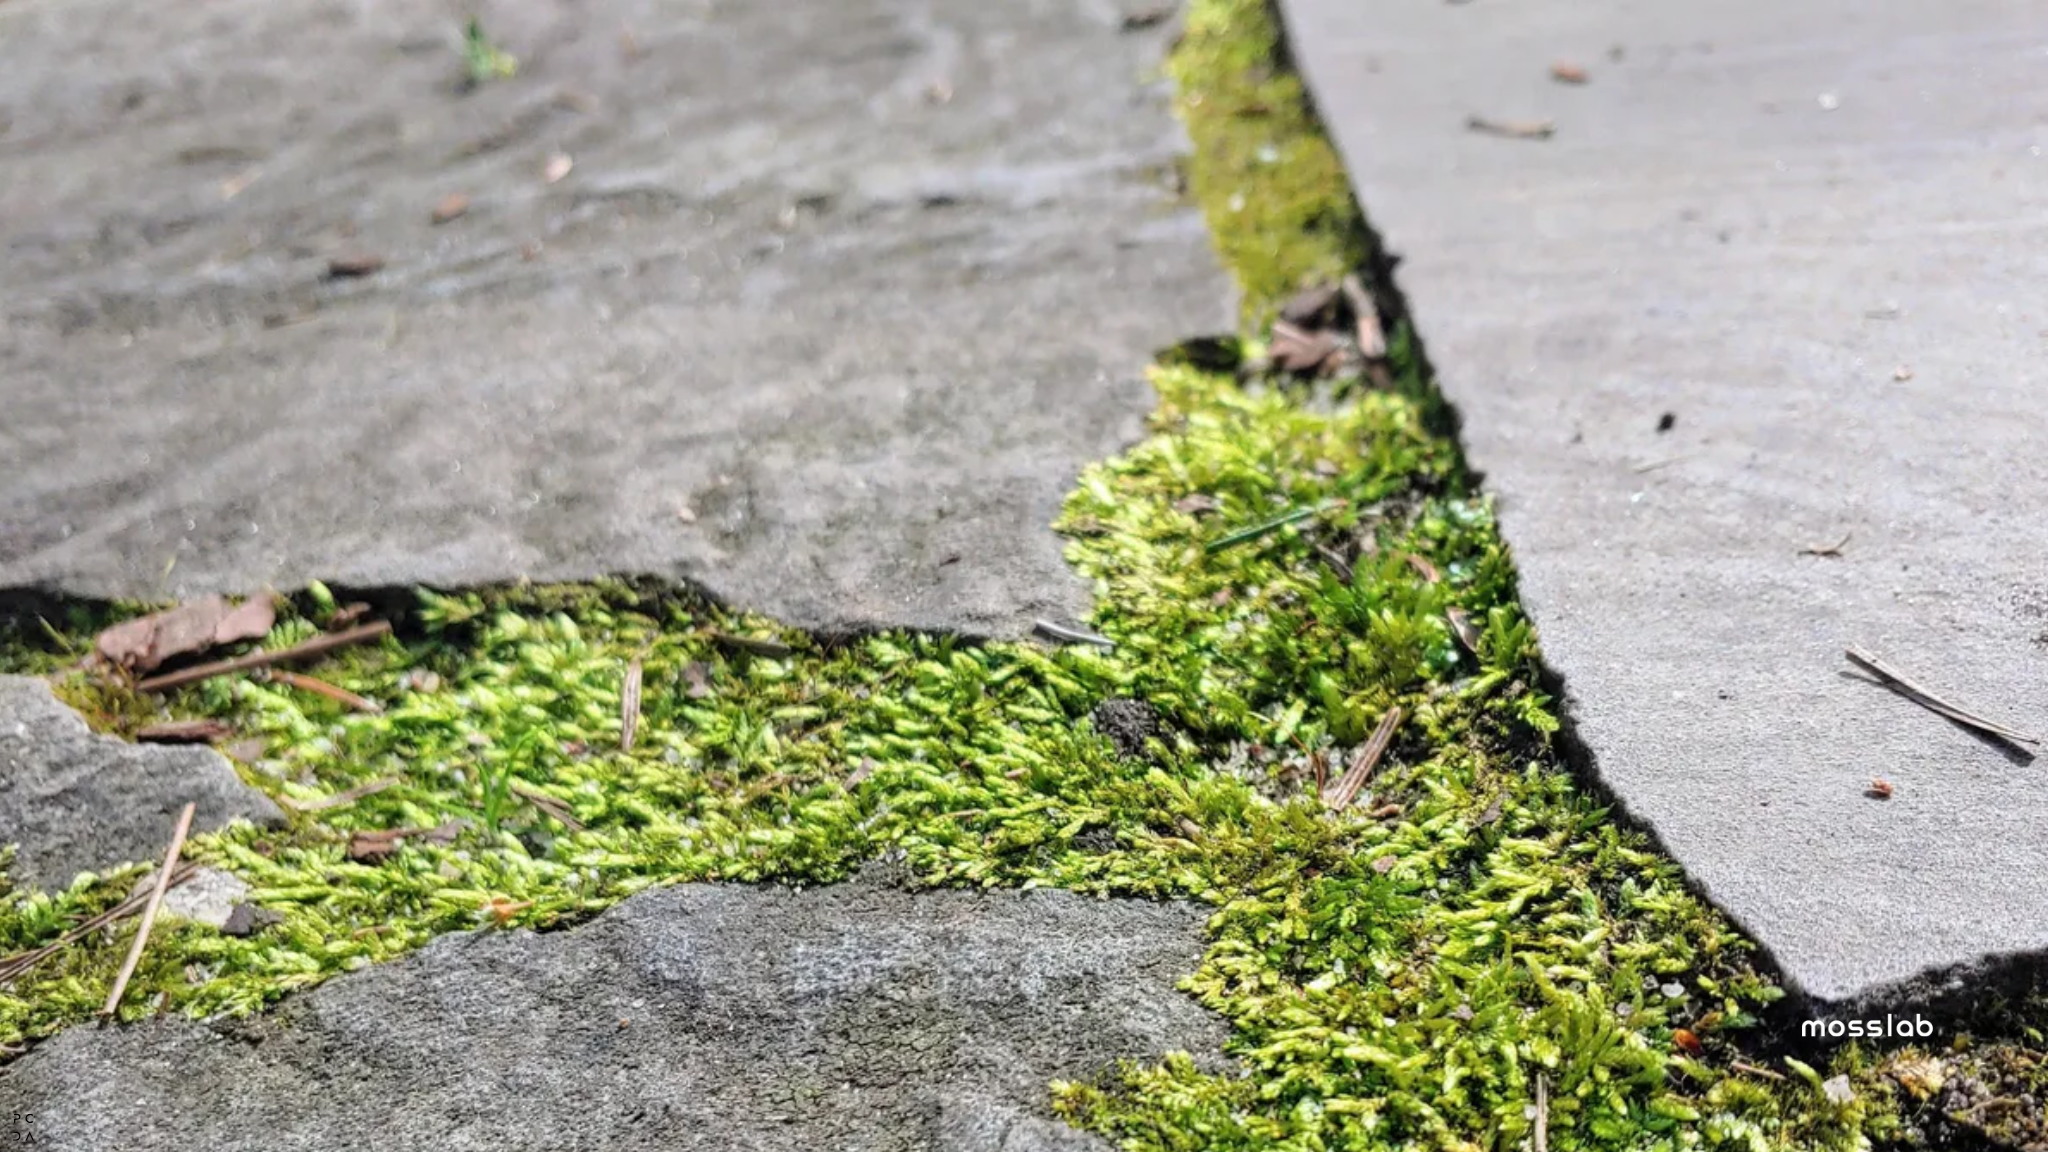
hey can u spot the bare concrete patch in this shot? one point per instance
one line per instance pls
(820, 307)
(856, 1017)
(75, 801)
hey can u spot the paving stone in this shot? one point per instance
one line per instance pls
(75, 801)
(851, 1017)
(826, 312)
(1811, 234)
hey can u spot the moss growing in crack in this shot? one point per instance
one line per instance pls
(1272, 185)
(1396, 975)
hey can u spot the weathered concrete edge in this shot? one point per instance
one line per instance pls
(1955, 992)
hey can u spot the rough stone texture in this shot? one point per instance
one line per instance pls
(1751, 220)
(74, 801)
(210, 897)
(854, 1017)
(835, 301)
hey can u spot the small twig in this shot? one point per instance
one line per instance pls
(1341, 794)
(319, 687)
(772, 649)
(156, 899)
(1068, 635)
(1753, 1070)
(318, 645)
(341, 798)
(548, 804)
(1337, 563)
(1900, 683)
(13, 967)
(1834, 549)
(1541, 1140)
(1425, 568)
(1365, 313)
(629, 706)
(182, 732)
(1513, 129)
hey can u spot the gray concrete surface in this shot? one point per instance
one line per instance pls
(833, 303)
(73, 801)
(727, 1018)
(1814, 233)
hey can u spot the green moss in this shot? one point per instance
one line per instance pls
(1400, 974)
(1274, 189)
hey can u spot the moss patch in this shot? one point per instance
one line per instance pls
(1277, 572)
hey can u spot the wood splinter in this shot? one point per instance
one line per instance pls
(317, 646)
(149, 910)
(1345, 790)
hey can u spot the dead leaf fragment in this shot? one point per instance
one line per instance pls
(1385, 864)
(183, 732)
(144, 643)
(351, 265)
(1565, 73)
(1461, 624)
(1196, 504)
(252, 619)
(451, 207)
(557, 167)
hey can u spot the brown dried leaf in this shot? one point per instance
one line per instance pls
(252, 619)
(1461, 624)
(144, 643)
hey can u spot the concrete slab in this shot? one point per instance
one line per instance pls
(709, 1017)
(1814, 235)
(823, 308)
(73, 801)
